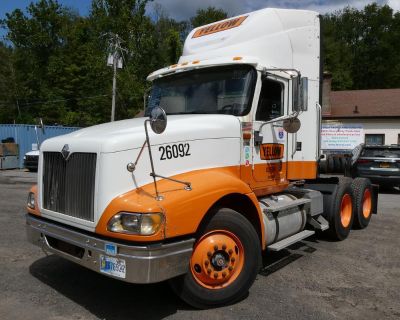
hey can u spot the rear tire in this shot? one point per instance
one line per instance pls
(362, 190)
(342, 162)
(341, 213)
(223, 272)
(330, 164)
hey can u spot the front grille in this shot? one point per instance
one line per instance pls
(68, 185)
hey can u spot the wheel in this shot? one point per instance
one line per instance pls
(330, 164)
(225, 261)
(342, 162)
(362, 190)
(323, 166)
(341, 215)
(336, 164)
(347, 167)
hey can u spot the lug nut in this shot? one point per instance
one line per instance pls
(208, 270)
(215, 275)
(224, 274)
(223, 247)
(230, 268)
(230, 251)
(206, 263)
(233, 259)
(209, 254)
(215, 247)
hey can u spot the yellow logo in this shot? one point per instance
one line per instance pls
(219, 26)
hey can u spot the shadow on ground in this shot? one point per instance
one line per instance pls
(104, 297)
(108, 298)
(274, 261)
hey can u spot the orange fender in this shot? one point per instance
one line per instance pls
(183, 210)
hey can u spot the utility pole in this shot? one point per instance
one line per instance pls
(114, 59)
(114, 87)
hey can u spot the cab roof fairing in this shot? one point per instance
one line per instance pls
(282, 38)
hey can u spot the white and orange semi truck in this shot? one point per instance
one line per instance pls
(222, 169)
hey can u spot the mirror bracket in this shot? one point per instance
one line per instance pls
(158, 123)
(257, 138)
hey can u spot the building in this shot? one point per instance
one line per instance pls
(359, 116)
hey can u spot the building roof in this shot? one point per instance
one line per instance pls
(376, 103)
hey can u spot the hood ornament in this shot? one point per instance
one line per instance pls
(65, 152)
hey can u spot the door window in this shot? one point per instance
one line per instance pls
(270, 104)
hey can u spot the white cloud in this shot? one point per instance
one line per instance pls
(394, 4)
(184, 9)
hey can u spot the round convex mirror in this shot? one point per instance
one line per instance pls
(291, 125)
(158, 120)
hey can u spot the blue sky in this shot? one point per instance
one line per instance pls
(9, 5)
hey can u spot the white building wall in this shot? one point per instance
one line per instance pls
(390, 127)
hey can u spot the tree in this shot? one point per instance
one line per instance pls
(206, 16)
(8, 104)
(361, 47)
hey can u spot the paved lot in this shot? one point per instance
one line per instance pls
(355, 279)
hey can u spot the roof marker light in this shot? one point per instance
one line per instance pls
(174, 66)
(184, 63)
(237, 58)
(196, 62)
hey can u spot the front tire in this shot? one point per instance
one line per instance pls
(225, 261)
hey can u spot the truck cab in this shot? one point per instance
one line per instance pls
(222, 168)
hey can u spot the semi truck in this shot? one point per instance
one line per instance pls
(222, 169)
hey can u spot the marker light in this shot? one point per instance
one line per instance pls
(31, 200)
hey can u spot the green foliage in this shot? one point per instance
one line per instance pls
(206, 16)
(362, 47)
(55, 66)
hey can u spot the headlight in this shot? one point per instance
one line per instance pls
(31, 200)
(136, 223)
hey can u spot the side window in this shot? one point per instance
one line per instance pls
(270, 104)
(375, 139)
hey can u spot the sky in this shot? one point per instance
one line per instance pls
(184, 9)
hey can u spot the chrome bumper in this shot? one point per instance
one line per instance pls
(144, 264)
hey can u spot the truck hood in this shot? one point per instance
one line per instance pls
(130, 134)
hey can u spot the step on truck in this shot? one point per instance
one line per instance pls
(221, 170)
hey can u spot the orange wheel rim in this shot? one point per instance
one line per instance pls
(367, 203)
(346, 209)
(217, 259)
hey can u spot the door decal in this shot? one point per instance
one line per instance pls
(272, 151)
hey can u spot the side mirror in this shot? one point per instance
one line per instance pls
(300, 94)
(158, 120)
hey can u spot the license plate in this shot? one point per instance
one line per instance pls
(385, 165)
(113, 266)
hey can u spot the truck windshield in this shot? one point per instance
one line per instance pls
(224, 90)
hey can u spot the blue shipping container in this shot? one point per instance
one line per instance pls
(25, 136)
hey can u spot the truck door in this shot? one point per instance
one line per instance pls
(270, 153)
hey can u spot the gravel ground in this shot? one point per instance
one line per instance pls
(315, 279)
